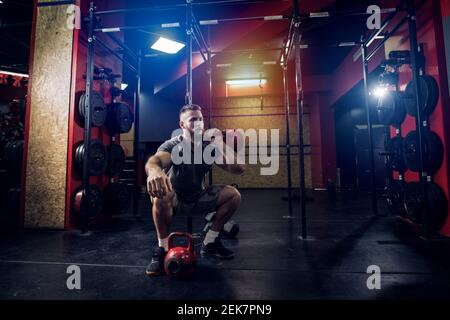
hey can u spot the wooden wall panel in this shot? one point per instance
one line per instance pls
(270, 116)
(46, 172)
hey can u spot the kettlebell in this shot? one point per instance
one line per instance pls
(180, 262)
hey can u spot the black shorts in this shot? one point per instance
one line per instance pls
(206, 203)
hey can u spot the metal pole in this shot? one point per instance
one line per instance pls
(299, 92)
(137, 106)
(288, 138)
(369, 127)
(210, 176)
(87, 121)
(420, 119)
(301, 153)
(188, 97)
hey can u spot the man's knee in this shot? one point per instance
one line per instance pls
(232, 195)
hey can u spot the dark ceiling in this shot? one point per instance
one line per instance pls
(248, 35)
(16, 27)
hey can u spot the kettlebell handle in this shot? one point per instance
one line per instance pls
(185, 235)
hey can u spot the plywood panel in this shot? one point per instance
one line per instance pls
(240, 109)
(252, 177)
(49, 111)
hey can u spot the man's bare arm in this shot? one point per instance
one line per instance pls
(158, 183)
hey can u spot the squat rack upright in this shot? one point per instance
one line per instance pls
(420, 123)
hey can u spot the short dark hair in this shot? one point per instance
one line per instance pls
(190, 107)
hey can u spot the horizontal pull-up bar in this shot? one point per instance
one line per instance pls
(180, 6)
(263, 63)
(200, 22)
(240, 51)
(332, 45)
(132, 10)
(229, 20)
(251, 115)
(161, 25)
(330, 14)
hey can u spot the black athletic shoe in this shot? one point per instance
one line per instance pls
(216, 249)
(156, 266)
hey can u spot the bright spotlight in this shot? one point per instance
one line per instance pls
(246, 82)
(123, 86)
(167, 46)
(379, 92)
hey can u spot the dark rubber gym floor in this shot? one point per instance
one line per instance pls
(271, 261)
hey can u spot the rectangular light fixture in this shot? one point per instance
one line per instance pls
(123, 86)
(14, 73)
(223, 65)
(167, 46)
(246, 82)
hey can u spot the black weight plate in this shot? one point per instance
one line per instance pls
(98, 158)
(78, 159)
(98, 108)
(98, 116)
(395, 154)
(413, 202)
(119, 118)
(95, 204)
(124, 118)
(95, 201)
(433, 96)
(400, 111)
(437, 205)
(394, 196)
(433, 148)
(81, 105)
(411, 151)
(116, 159)
(411, 100)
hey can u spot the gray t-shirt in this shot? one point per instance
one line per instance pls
(186, 179)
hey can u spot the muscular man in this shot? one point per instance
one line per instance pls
(178, 188)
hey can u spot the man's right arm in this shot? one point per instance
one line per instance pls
(158, 183)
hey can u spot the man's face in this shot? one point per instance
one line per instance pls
(192, 120)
